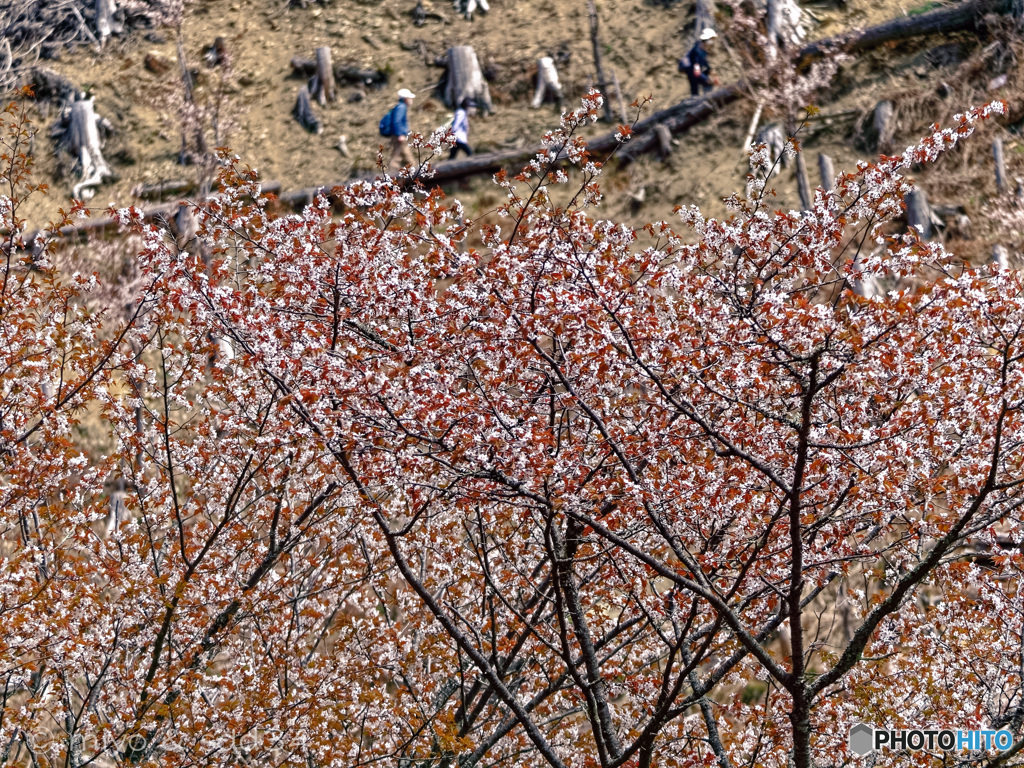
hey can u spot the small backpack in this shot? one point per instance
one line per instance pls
(684, 63)
(387, 123)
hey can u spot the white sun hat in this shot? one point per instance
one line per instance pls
(405, 93)
(708, 34)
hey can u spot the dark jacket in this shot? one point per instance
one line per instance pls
(699, 56)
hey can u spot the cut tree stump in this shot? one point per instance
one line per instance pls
(465, 80)
(828, 173)
(885, 126)
(919, 214)
(84, 135)
(303, 112)
(1000, 160)
(547, 82)
(803, 183)
(595, 41)
(106, 24)
(1001, 256)
(322, 87)
(664, 141)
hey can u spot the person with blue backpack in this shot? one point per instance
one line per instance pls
(395, 125)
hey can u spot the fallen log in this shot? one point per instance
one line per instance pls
(305, 68)
(303, 112)
(162, 188)
(944, 20)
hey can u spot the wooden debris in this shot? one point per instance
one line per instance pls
(322, 86)
(595, 42)
(84, 136)
(368, 77)
(163, 188)
(106, 24)
(664, 141)
(884, 126)
(303, 112)
(958, 17)
(1000, 162)
(803, 183)
(963, 227)
(547, 82)
(156, 64)
(49, 85)
(217, 53)
(828, 172)
(465, 80)
(753, 127)
(773, 137)
(919, 214)
(618, 97)
(1001, 256)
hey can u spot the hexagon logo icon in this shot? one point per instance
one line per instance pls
(861, 738)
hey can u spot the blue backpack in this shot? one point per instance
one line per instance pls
(387, 123)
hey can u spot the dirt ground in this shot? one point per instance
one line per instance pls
(641, 43)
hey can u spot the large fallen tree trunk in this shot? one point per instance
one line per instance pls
(944, 20)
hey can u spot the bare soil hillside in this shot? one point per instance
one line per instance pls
(137, 85)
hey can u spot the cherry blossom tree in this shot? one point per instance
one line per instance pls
(404, 488)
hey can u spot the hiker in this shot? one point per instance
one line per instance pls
(468, 7)
(696, 66)
(547, 80)
(460, 128)
(395, 125)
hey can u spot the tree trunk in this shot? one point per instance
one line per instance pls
(618, 98)
(772, 24)
(919, 214)
(753, 127)
(85, 143)
(323, 82)
(303, 112)
(704, 17)
(802, 183)
(1000, 160)
(1001, 256)
(885, 126)
(595, 41)
(828, 173)
(465, 79)
(962, 16)
(105, 22)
